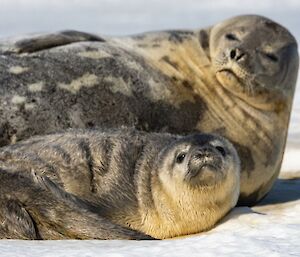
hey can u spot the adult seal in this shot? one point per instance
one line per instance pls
(235, 79)
(121, 184)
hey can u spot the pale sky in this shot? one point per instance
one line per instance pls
(131, 16)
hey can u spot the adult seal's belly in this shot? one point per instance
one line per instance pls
(236, 79)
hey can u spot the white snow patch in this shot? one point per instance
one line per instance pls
(270, 229)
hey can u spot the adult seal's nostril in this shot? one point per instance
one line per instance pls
(232, 54)
(236, 54)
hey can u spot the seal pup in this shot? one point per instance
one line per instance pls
(235, 79)
(160, 185)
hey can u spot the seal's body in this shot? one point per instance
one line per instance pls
(158, 184)
(235, 79)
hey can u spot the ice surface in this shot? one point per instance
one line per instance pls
(269, 229)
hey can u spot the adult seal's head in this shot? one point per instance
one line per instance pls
(256, 59)
(197, 183)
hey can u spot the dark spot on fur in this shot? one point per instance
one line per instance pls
(174, 78)
(6, 132)
(167, 60)
(177, 36)
(86, 150)
(155, 45)
(162, 117)
(139, 36)
(90, 124)
(106, 149)
(142, 45)
(187, 84)
(203, 39)
(204, 42)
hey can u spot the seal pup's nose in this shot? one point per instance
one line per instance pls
(205, 162)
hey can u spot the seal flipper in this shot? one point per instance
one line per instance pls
(47, 41)
(54, 213)
(15, 221)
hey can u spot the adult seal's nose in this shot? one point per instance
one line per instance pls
(237, 54)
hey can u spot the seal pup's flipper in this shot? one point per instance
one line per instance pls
(15, 221)
(35, 208)
(46, 41)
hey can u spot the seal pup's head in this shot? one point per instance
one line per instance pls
(199, 161)
(255, 59)
(197, 184)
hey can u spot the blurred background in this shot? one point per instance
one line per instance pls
(120, 17)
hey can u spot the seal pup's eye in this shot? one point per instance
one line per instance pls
(231, 37)
(271, 57)
(180, 157)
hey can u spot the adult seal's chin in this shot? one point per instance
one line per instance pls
(256, 95)
(230, 81)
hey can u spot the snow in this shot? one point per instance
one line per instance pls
(271, 228)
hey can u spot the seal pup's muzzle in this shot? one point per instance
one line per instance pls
(205, 165)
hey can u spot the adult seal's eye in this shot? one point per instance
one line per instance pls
(271, 57)
(231, 37)
(180, 158)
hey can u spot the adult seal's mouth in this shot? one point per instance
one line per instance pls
(229, 79)
(250, 91)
